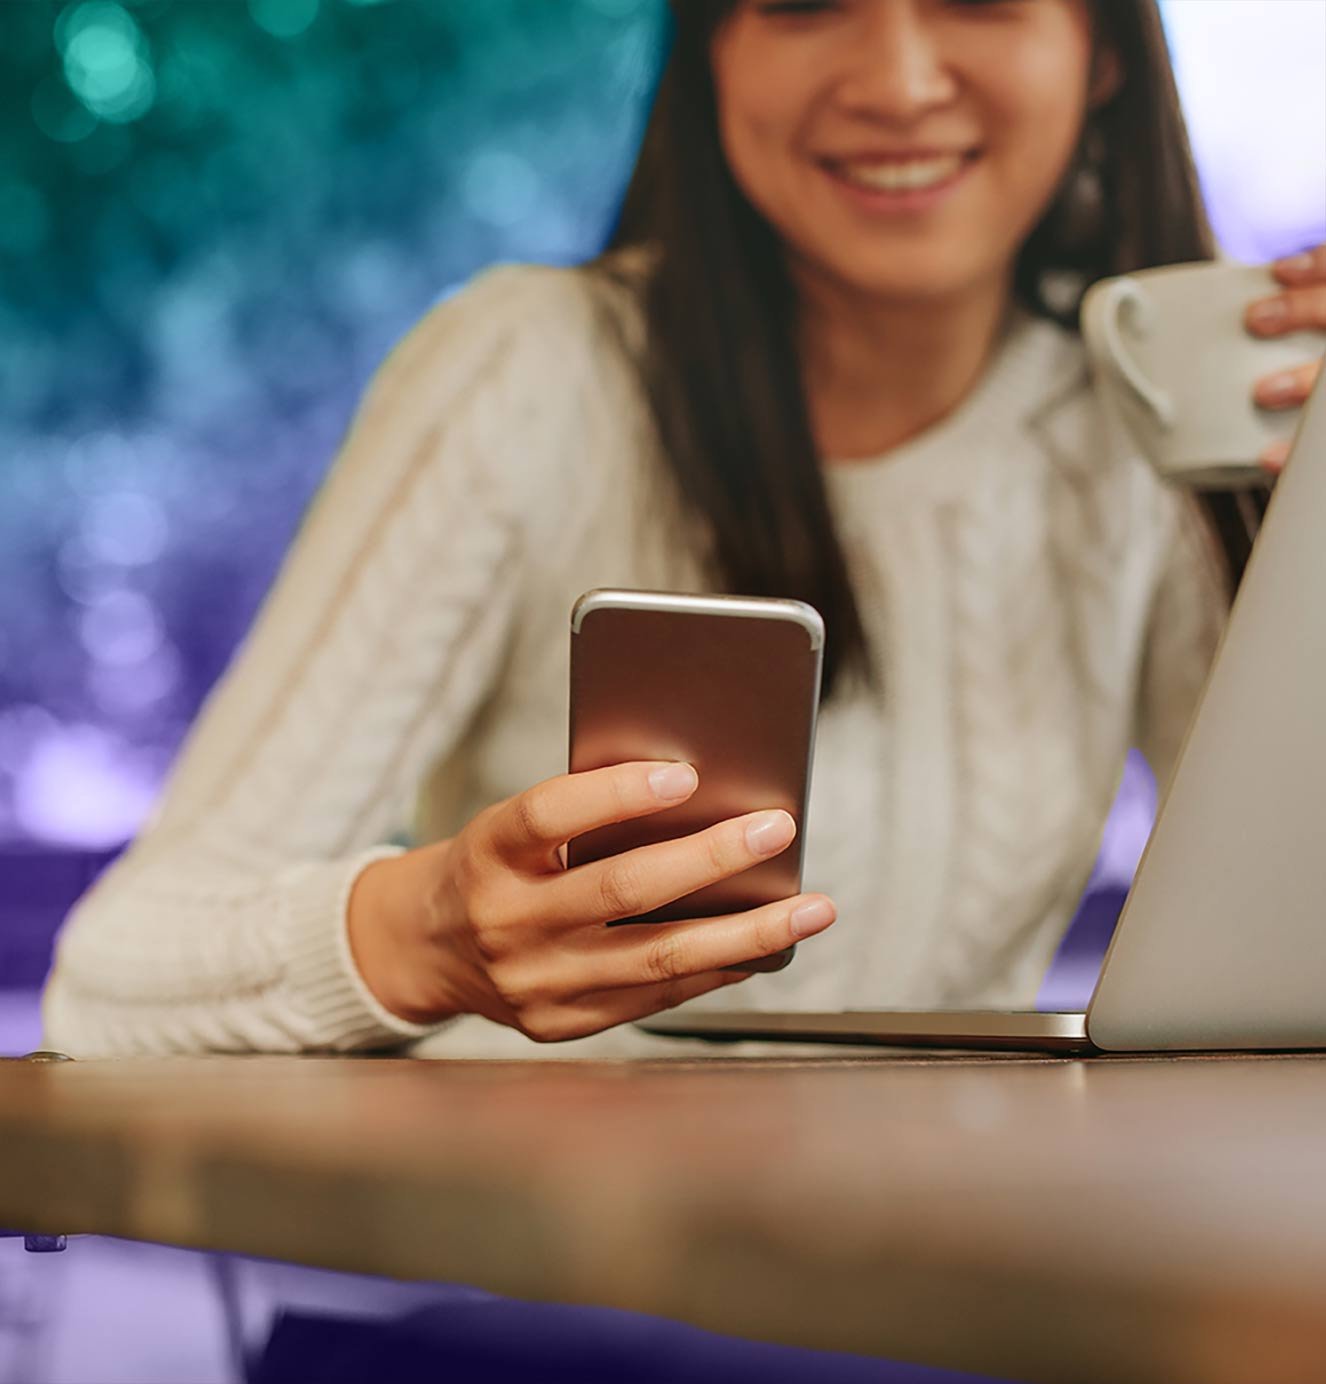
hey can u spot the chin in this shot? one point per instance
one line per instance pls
(904, 281)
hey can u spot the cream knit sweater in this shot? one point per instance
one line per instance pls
(1037, 601)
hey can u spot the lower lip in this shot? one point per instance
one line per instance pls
(913, 201)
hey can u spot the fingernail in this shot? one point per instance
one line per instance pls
(1268, 312)
(770, 832)
(1295, 264)
(1275, 389)
(812, 917)
(673, 782)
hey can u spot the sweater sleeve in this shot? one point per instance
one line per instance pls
(1187, 618)
(223, 926)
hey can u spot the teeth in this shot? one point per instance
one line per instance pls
(901, 177)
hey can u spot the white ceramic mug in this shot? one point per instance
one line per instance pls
(1173, 358)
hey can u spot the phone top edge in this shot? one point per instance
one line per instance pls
(686, 603)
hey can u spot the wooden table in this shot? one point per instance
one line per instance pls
(1120, 1221)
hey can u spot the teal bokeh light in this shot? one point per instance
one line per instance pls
(106, 62)
(283, 18)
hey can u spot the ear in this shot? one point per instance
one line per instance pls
(1106, 77)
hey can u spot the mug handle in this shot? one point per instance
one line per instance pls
(1125, 293)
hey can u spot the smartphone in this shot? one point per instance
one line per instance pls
(731, 685)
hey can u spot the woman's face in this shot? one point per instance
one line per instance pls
(903, 148)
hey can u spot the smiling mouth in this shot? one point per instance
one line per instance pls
(916, 174)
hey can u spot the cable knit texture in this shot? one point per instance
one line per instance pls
(1035, 599)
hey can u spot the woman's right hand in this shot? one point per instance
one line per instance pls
(493, 922)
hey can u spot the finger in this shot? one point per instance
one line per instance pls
(655, 953)
(1293, 310)
(533, 824)
(1287, 388)
(625, 1006)
(636, 881)
(1302, 268)
(1274, 456)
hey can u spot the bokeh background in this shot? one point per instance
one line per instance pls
(216, 216)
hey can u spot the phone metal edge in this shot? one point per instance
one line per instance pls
(683, 603)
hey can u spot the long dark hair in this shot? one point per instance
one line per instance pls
(720, 363)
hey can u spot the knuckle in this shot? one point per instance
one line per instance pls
(547, 1024)
(665, 957)
(621, 894)
(495, 921)
(484, 909)
(487, 937)
(769, 932)
(517, 986)
(482, 837)
(623, 792)
(675, 993)
(724, 851)
(531, 815)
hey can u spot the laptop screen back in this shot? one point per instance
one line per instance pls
(1222, 943)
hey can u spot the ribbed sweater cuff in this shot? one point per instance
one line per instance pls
(338, 1011)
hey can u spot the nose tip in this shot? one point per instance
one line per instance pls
(897, 70)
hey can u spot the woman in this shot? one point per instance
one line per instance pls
(831, 357)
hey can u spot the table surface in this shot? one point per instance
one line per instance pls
(1104, 1220)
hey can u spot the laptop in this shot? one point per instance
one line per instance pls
(1221, 945)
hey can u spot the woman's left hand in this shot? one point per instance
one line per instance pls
(1301, 303)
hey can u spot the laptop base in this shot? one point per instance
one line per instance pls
(1012, 1031)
